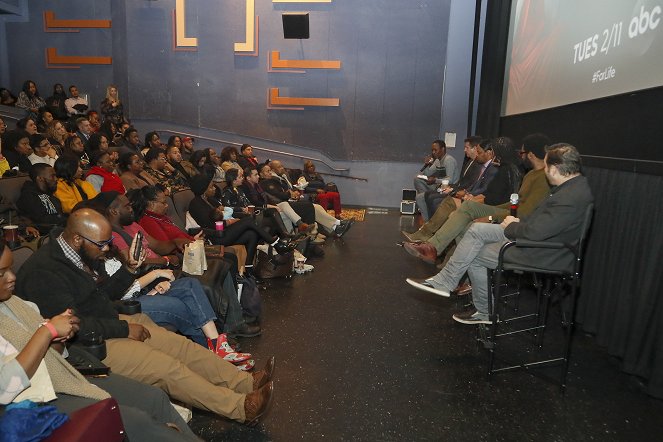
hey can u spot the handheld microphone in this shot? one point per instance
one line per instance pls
(426, 164)
(513, 199)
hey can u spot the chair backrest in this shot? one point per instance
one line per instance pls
(175, 217)
(580, 247)
(10, 189)
(20, 256)
(181, 201)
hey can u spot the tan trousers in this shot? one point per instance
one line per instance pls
(183, 369)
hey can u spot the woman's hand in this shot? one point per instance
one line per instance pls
(66, 324)
(162, 287)
(199, 235)
(163, 273)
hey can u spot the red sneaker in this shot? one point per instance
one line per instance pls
(225, 351)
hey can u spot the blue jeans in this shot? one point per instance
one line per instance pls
(184, 306)
(476, 252)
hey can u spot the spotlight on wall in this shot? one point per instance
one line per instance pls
(295, 25)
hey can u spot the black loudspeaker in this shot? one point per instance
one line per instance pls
(295, 25)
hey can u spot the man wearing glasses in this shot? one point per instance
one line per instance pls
(40, 150)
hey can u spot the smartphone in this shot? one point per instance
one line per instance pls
(138, 250)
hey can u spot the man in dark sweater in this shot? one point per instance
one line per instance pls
(37, 201)
(558, 218)
(68, 272)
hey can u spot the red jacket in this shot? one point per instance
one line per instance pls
(111, 181)
(161, 227)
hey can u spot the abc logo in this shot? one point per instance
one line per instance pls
(648, 20)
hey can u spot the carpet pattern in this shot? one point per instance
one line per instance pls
(357, 214)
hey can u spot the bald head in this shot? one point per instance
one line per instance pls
(89, 223)
(277, 167)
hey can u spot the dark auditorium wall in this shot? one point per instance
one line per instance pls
(390, 84)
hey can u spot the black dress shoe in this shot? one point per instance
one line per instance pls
(282, 247)
(246, 331)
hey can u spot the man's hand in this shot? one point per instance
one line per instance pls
(132, 265)
(430, 180)
(181, 242)
(508, 220)
(484, 219)
(31, 231)
(138, 333)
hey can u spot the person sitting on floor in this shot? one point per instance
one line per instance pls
(68, 272)
(71, 187)
(33, 368)
(322, 193)
(37, 200)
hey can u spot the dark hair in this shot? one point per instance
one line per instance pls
(248, 170)
(170, 148)
(153, 154)
(73, 85)
(441, 143)
(473, 140)
(262, 166)
(69, 141)
(536, 143)
(95, 140)
(227, 151)
(106, 129)
(26, 88)
(79, 120)
(36, 139)
(12, 138)
(171, 140)
(244, 146)
(140, 198)
(231, 175)
(66, 167)
(36, 170)
(96, 156)
(128, 131)
(23, 122)
(3, 244)
(565, 158)
(197, 155)
(125, 160)
(504, 150)
(148, 137)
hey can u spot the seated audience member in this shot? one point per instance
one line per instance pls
(152, 139)
(318, 187)
(45, 118)
(73, 146)
(84, 131)
(31, 358)
(95, 121)
(71, 188)
(130, 142)
(99, 143)
(505, 183)
(132, 173)
(246, 157)
(102, 174)
(183, 304)
(28, 124)
(111, 107)
(76, 105)
(175, 140)
(207, 211)
(174, 156)
(16, 149)
(257, 197)
(229, 156)
(55, 103)
(469, 172)
(113, 134)
(187, 148)
(161, 172)
(41, 150)
(57, 135)
(149, 206)
(233, 196)
(37, 200)
(484, 171)
(6, 97)
(29, 99)
(558, 218)
(68, 272)
(280, 189)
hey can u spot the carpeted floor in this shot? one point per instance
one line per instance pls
(356, 213)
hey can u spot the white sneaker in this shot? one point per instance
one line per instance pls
(427, 286)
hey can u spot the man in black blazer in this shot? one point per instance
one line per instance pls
(558, 218)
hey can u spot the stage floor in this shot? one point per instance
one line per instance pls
(361, 355)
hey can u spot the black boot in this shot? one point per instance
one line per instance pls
(284, 247)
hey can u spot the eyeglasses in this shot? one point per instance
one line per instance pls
(100, 244)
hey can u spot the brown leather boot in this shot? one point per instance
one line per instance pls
(261, 377)
(257, 403)
(423, 250)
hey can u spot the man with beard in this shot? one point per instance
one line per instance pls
(557, 218)
(68, 272)
(175, 159)
(37, 201)
(432, 238)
